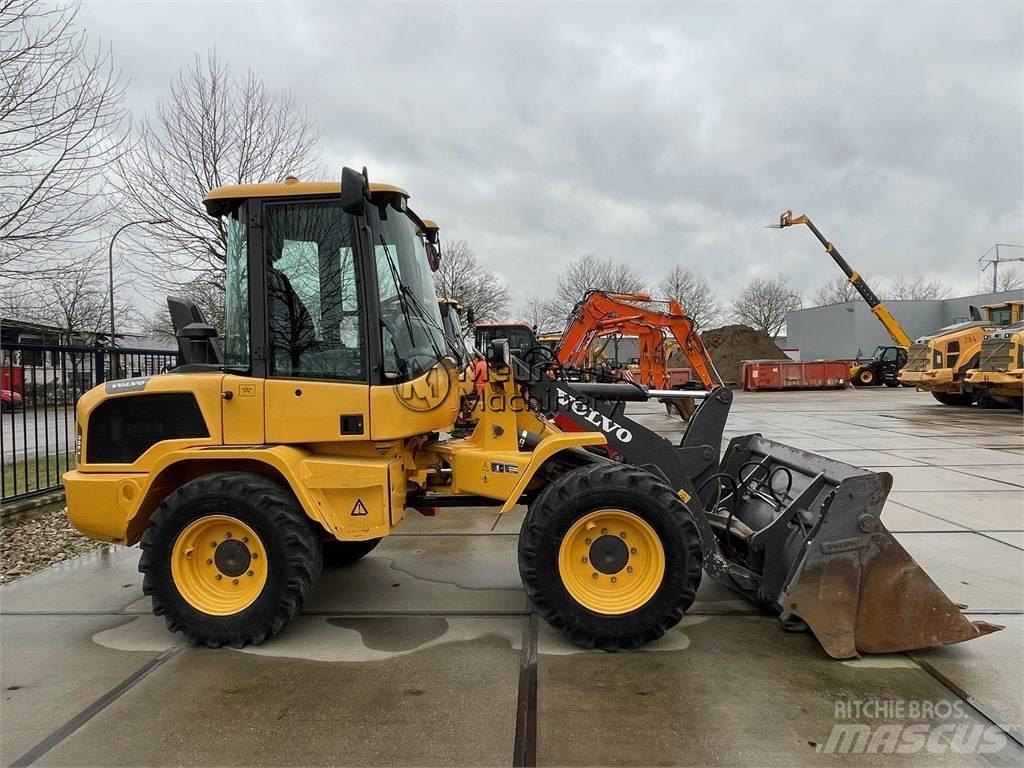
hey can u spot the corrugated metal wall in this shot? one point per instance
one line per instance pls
(843, 330)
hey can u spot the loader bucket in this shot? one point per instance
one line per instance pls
(802, 534)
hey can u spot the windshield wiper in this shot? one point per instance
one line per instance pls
(404, 295)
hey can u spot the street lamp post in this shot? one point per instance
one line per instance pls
(110, 259)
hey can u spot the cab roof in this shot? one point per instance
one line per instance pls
(222, 199)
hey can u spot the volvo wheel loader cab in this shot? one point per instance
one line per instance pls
(1000, 372)
(939, 362)
(327, 415)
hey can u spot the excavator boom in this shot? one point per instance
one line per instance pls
(602, 314)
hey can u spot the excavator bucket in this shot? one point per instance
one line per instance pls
(802, 534)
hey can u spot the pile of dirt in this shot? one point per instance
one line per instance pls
(731, 345)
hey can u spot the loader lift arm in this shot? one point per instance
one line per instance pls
(890, 323)
(602, 314)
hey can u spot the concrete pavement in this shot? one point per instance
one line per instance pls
(425, 653)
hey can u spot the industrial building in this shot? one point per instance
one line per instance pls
(849, 329)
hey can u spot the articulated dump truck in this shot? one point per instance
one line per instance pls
(940, 362)
(324, 415)
(1000, 372)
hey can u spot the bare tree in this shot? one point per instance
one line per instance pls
(918, 288)
(835, 291)
(213, 129)
(1010, 279)
(537, 314)
(462, 277)
(694, 293)
(77, 300)
(61, 125)
(588, 273)
(763, 304)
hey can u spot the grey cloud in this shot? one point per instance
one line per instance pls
(652, 133)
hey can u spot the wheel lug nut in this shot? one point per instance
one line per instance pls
(245, 539)
(209, 561)
(218, 577)
(622, 534)
(255, 555)
(583, 559)
(614, 579)
(594, 574)
(213, 544)
(227, 535)
(249, 573)
(632, 550)
(234, 581)
(604, 530)
(586, 541)
(629, 569)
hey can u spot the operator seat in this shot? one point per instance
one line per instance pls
(292, 331)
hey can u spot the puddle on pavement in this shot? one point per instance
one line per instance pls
(344, 639)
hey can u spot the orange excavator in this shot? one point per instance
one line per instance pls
(600, 315)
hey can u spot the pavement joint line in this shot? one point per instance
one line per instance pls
(962, 528)
(1014, 486)
(977, 706)
(524, 746)
(87, 714)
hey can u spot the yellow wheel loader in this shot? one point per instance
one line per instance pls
(324, 415)
(939, 362)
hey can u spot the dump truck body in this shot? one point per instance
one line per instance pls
(939, 362)
(1000, 371)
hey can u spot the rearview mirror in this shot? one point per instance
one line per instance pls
(499, 355)
(433, 257)
(355, 191)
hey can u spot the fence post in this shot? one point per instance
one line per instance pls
(98, 359)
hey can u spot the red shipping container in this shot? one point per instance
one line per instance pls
(791, 374)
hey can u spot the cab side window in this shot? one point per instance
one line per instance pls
(314, 320)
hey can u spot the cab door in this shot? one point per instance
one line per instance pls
(317, 371)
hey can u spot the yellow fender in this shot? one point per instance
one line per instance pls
(547, 448)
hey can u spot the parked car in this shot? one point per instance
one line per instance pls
(10, 400)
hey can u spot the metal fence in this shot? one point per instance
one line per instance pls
(39, 387)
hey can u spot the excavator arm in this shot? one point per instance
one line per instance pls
(602, 314)
(890, 323)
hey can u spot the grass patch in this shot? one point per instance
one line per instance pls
(35, 473)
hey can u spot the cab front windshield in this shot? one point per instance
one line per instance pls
(413, 339)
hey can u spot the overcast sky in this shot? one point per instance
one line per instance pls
(660, 134)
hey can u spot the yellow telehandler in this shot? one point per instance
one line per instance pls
(325, 413)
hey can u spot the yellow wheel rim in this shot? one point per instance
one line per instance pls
(219, 565)
(867, 376)
(611, 561)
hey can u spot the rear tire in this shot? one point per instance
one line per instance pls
(338, 554)
(609, 556)
(892, 384)
(950, 398)
(229, 559)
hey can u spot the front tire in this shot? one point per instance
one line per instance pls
(229, 559)
(865, 378)
(610, 556)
